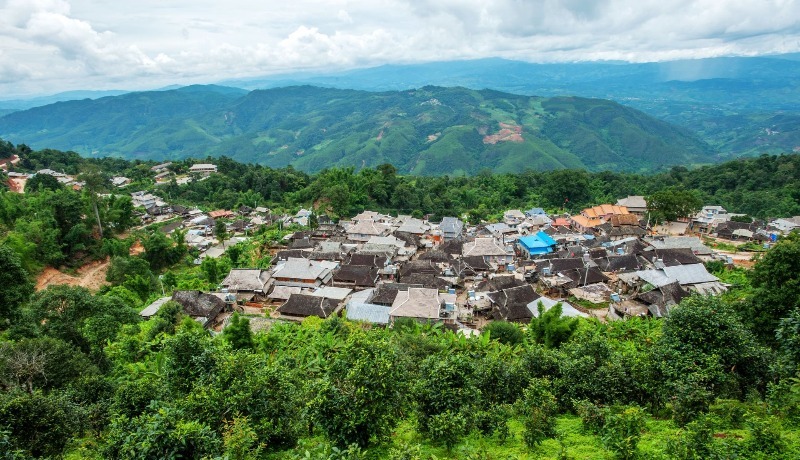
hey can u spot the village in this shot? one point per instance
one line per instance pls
(606, 262)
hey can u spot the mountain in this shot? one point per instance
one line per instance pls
(427, 131)
(22, 104)
(698, 94)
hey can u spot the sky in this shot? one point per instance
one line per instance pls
(48, 46)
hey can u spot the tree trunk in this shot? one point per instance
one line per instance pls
(97, 215)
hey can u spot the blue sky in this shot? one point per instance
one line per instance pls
(47, 46)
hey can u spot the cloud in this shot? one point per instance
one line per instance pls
(50, 45)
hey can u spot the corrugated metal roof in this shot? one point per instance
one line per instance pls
(376, 314)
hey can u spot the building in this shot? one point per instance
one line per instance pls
(538, 244)
(489, 249)
(451, 228)
(422, 304)
(203, 168)
(303, 273)
(636, 204)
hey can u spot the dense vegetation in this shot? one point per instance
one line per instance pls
(767, 186)
(428, 131)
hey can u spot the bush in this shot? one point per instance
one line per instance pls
(622, 430)
(694, 442)
(538, 409)
(593, 417)
(505, 332)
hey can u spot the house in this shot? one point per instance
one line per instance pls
(203, 168)
(301, 306)
(585, 224)
(161, 167)
(422, 304)
(119, 181)
(150, 310)
(303, 273)
(143, 199)
(540, 243)
(171, 227)
(500, 230)
(413, 226)
(535, 212)
(368, 312)
(363, 230)
(202, 307)
(693, 243)
(221, 214)
(385, 293)
(247, 280)
(636, 204)
(452, 228)
(489, 249)
(356, 276)
(708, 218)
(337, 294)
(786, 225)
(512, 304)
(694, 277)
(513, 217)
(604, 211)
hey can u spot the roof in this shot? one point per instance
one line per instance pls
(296, 268)
(584, 276)
(370, 260)
(512, 304)
(307, 305)
(657, 278)
(428, 280)
(246, 279)
(196, 303)
(371, 313)
(604, 210)
(671, 257)
(360, 275)
(284, 292)
(586, 222)
(690, 274)
(625, 262)
(633, 201)
(567, 310)
(535, 212)
(153, 308)
(624, 219)
(668, 294)
(414, 226)
(560, 265)
(335, 293)
(419, 266)
(436, 255)
(498, 283)
(203, 166)
(417, 303)
(386, 293)
(484, 247)
(451, 225)
(677, 242)
(539, 240)
(367, 227)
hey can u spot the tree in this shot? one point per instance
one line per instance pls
(550, 328)
(220, 231)
(776, 282)
(15, 287)
(95, 182)
(38, 423)
(504, 332)
(363, 395)
(673, 203)
(705, 345)
(238, 333)
(538, 410)
(41, 182)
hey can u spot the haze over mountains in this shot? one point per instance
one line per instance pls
(719, 108)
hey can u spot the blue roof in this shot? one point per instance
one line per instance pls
(534, 212)
(540, 240)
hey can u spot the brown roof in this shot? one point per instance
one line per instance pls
(512, 304)
(419, 266)
(624, 219)
(387, 292)
(360, 275)
(498, 283)
(196, 303)
(307, 305)
(369, 260)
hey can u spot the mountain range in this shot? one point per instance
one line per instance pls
(427, 131)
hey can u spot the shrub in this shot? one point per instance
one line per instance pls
(538, 409)
(622, 430)
(505, 332)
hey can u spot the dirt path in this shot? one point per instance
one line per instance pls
(91, 276)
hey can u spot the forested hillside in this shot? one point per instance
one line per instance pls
(428, 131)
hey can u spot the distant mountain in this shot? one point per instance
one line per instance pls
(426, 131)
(695, 94)
(22, 104)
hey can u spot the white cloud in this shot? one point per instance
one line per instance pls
(52, 45)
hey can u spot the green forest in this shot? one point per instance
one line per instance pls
(82, 376)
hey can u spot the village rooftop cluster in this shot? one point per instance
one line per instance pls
(604, 262)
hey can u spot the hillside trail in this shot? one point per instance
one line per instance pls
(91, 276)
